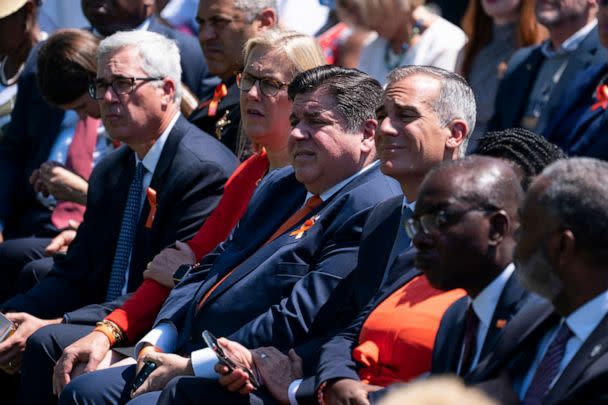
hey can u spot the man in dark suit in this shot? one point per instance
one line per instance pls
(487, 207)
(555, 352)
(155, 189)
(271, 281)
(581, 121)
(38, 129)
(412, 138)
(535, 82)
(225, 27)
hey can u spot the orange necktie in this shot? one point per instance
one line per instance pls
(312, 203)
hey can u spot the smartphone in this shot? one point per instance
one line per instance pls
(227, 361)
(145, 371)
(7, 327)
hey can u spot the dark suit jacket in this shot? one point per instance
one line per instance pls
(224, 125)
(278, 294)
(514, 89)
(576, 129)
(189, 182)
(449, 340)
(34, 129)
(584, 378)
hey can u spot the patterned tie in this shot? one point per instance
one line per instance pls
(79, 160)
(470, 341)
(126, 236)
(548, 367)
(312, 203)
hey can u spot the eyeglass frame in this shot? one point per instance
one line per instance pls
(259, 81)
(93, 85)
(414, 225)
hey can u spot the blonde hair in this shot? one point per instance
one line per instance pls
(368, 10)
(437, 391)
(302, 51)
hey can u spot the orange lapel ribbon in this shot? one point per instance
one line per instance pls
(218, 94)
(305, 227)
(151, 194)
(501, 323)
(601, 94)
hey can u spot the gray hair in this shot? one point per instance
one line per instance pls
(455, 101)
(577, 197)
(357, 95)
(159, 55)
(252, 8)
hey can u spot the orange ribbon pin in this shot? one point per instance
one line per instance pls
(305, 227)
(151, 194)
(218, 94)
(601, 94)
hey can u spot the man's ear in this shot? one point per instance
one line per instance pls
(267, 18)
(500, 225)
(562, 246)
(369, 131)
(458, 132)
(168, 90)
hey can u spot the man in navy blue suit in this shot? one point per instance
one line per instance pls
(123, 229)
(580, 124)
(555, 352)
(41, 132)
(536, 78)
(298, 241)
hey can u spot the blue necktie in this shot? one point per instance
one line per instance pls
(401, 243)
(548, 367)
(126, 236)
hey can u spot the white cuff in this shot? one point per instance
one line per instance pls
(163, 336)
(203, 363)
(293, 390)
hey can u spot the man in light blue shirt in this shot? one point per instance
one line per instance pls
(555, 352)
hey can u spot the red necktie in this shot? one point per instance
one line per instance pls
(79, 160)
(312, 203)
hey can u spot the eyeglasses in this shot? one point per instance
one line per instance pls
(216, 23)
(120, 85)
(269, 87)
(438, 220)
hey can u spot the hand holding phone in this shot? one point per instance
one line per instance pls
(145, 371)
(7, 327)
(223, 358)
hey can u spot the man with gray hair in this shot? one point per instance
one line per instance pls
(555, 352)
(225, 26)
(426, 117)
(156, 188)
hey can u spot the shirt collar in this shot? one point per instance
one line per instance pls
(327, 194)
(485, 303)
(410, 205)
(584, 320)
(152, 157)
(142, 27)
(570, 44)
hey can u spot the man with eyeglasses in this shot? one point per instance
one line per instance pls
(156, 188)
(225, 26)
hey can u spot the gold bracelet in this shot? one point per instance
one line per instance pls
(111, 330)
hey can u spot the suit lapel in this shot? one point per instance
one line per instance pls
(591, 350)
(525, 80)
(511, 299)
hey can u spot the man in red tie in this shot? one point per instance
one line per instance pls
(271, 281)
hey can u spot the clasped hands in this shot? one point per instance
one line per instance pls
(52, 178)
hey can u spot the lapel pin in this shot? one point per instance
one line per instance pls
(596, 350)
(501, 323)
(305, 227)
(151, 194)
